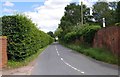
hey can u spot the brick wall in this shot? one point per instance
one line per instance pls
(3, 51)
(108, 37)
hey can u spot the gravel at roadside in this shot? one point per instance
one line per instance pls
(25, 70)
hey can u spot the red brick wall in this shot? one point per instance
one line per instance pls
(3, 51)
(108, 37)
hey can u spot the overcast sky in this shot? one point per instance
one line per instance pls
(45, 13)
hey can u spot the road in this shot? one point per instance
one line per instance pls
(58, 60)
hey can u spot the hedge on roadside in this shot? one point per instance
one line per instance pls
(24, 38)
(70, 37)
(86, 31)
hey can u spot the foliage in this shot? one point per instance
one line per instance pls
(104, 10)
(70, 25)
(100, 54)
(58, 33)
(26, 61)
(73, 31)
(51, 34)
(70, 37)
(118, 12)
(72, 17)
(0, 26)
(24, 38)
(87, 31)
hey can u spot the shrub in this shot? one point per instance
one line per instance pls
(70, 37)
(24, 39)
(88, 33)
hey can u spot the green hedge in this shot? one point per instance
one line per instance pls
(87, 31)
(70, 36)
(24, 38)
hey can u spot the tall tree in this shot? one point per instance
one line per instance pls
(118, 12)
(58, 32)
(113, 5)
(72, 17)
(103, 10)
(51, 34)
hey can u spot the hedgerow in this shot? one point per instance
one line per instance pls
(70, 36)
(86, 31)
(24, 38)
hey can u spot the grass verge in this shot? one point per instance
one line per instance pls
(100, 54)
(16, 64)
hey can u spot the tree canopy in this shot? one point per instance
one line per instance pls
(51, 34)
(118, 12)
(72, 17)
(104, 10)
(70, 24)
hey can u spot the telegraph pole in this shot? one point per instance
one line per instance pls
(81, 13)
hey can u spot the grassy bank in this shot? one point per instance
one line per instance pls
(100, 54)
(16, 64)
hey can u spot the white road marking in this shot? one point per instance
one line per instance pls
(61, 58)
(72, 66)
(68, 63)
(57, 51)
(58, 54)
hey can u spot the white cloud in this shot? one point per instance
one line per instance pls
(7, 3)
(88, 3)
(9, 10)
(48, 15)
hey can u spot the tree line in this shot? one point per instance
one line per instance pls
(70, 27)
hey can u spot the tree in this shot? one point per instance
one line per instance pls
(118, 12)
(51, 34)
(58, 33)
(0, 26)
(103, 10)
(113, 5)
(72, 17)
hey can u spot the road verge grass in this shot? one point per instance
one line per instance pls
(16, 64)
(100, 54)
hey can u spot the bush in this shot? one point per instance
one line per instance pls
(24, 39)
(70, 37)
(86, 31)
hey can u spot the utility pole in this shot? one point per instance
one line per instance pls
(81, 13)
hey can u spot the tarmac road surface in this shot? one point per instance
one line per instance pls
(58, 60)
